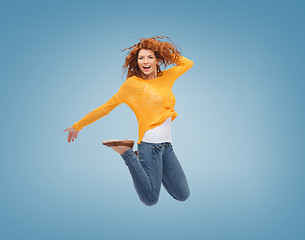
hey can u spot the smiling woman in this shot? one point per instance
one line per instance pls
(148, 92)
(148, 63)
(156, 53)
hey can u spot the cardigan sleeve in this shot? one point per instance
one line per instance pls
(98, 113)
(182, 65)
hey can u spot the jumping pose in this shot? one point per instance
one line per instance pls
(148, 92)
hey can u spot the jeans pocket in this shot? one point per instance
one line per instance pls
(157, 146)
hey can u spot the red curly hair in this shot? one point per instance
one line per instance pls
(163, 52)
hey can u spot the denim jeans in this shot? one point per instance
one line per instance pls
(157, 164)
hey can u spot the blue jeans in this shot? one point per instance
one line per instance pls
(157, 164)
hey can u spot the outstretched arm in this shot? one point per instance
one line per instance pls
(92, 117)
(97, 113)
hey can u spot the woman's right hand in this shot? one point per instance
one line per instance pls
(72, 133)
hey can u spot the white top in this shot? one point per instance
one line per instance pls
(159, 134)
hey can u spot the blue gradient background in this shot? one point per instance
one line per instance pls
(239, 134)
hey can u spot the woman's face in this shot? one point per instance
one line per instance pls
(147, 63)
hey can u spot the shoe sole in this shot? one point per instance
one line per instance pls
(126, 142)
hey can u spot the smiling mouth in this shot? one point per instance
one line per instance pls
(146, 68)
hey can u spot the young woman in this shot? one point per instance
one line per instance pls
(148, 92)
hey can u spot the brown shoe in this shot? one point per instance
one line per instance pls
(113, 142)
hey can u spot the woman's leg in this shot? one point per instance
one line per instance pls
(146, 171)
(174, 180)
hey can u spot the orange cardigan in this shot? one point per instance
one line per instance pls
(152, 101)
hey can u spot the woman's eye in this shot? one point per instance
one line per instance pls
(142, 58)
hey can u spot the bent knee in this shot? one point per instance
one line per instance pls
(150, 201)
(183, 196)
